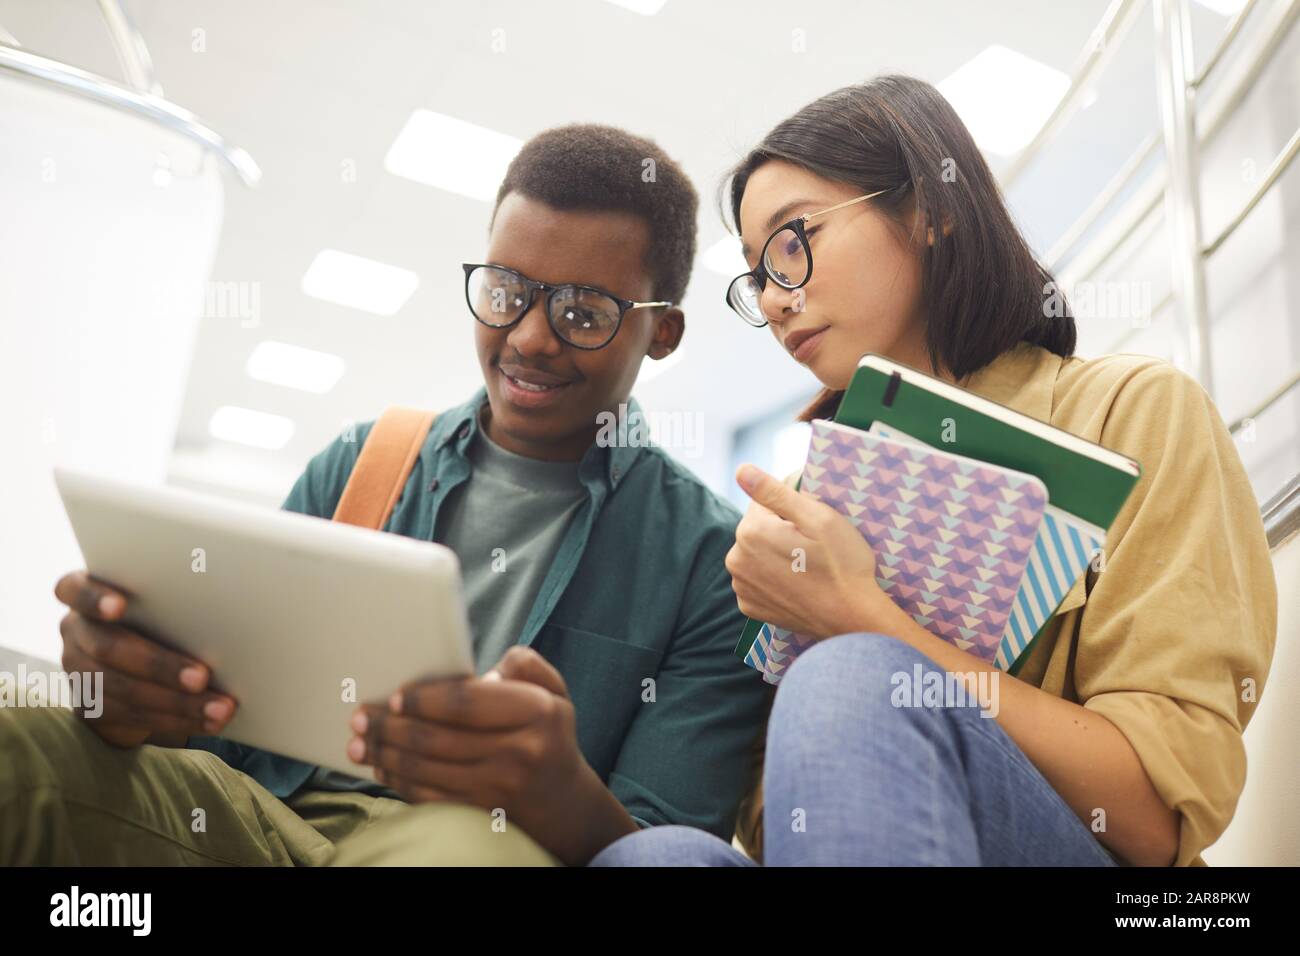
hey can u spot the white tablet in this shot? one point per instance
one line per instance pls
(299, 618)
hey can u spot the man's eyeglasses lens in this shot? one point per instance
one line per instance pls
(496, 297)
(580, 316)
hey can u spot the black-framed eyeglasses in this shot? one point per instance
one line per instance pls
(786, 259)
(580, 315)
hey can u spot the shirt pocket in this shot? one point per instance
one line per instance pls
(606, 680)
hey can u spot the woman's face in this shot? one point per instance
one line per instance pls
(864, 294)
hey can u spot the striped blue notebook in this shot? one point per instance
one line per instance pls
(1065, 545)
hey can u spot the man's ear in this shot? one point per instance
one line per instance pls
(669, 328)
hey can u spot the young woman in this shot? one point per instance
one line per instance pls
(1120, 739)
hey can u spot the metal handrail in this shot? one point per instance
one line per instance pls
(1149, 197)
(132, 52)
(1225, 41)
(1278, 166)
(1182, 193)
(1088, 219)
(1275, 171)
(1115, 22)
(1214, 117)
(1259, 408)
(144, 104)
(1268, 402)
(1281, 513)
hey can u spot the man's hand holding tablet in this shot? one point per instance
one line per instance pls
(191, 603)
(506, 741)
(152, 694)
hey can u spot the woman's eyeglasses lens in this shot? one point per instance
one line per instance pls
(743, 296)
(785, 259)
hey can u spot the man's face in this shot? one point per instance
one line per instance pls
(606, 250)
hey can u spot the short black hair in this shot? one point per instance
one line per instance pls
(588, 166)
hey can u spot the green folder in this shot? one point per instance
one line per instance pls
(1082, 477)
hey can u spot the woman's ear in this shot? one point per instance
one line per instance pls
(915, 218)
(669, 328)
(929, 231)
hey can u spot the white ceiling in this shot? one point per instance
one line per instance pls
(307, 87)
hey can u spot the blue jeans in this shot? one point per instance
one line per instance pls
(857, 776)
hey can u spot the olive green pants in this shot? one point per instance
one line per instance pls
(69, 799)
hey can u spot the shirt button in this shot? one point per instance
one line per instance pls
(433, 485)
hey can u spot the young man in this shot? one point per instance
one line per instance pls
(602, 613)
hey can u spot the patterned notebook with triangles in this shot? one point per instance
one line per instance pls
(952, 535)
(1065, 547)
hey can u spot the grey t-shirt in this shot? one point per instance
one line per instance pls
(505, 523)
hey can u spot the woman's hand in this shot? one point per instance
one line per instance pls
(799, 564)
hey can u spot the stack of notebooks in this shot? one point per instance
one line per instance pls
(981, 519)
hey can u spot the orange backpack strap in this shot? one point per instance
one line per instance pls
(383, 466)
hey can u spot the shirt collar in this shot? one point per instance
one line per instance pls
(633, 434)
(1022, 378)
(458, 424)
(606, 463)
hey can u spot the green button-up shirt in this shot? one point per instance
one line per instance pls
(637, 613)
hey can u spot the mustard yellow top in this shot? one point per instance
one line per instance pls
(1172, 640)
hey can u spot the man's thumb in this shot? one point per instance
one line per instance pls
(525, 664)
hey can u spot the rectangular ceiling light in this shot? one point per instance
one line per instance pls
(295, 367)
(248, 427)
(358, 283)
(1004, 97)
(454, 155)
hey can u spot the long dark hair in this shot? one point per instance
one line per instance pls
(982, 289)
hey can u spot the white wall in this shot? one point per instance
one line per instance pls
(104, 260)
(1266, 828)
